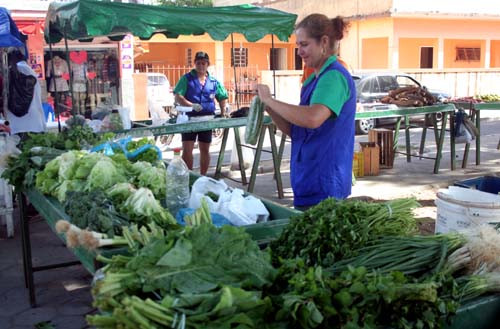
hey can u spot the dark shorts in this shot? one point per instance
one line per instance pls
(203, 136)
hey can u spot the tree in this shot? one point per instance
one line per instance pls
(186, 3)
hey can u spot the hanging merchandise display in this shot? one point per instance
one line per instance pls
(79, 70)
(95, 80)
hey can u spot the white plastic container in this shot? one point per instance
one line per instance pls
(459, 208)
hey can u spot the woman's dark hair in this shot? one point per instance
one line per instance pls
(318, 25)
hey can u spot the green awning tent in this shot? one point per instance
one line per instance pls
(85, 19)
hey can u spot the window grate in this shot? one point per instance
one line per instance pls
(468, 54)
(239, 57)
(189, 57)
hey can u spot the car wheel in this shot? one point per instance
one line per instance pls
(364, 125)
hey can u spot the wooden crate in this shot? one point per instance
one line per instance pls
(371, 158)
(384, 138)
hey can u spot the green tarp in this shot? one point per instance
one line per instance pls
(85, 19)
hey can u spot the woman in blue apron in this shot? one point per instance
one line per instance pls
(200, 90)
(322, 126)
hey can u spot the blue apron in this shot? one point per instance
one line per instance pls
(321, 160)
(204, 95)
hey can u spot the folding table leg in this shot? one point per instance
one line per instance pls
(27, 261)
(241, 160)
(440, 144)
(256, 160)
(220, 159)
(276, 161)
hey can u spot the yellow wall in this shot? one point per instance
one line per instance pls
(174, 53)
(409, 52)
(353, 47)
(375, 53)
(495, 53)
(450, 53)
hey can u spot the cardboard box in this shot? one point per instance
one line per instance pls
(358, 164)
(371, 158)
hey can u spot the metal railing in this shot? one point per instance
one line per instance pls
(246, 78)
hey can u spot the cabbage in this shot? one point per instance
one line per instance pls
(103, 175)
(65, 187)
(52, 167)
(120, 192)
(85, 164)
(67, 165)
(141, 206)
(153, 178)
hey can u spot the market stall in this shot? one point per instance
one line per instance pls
(86, 19)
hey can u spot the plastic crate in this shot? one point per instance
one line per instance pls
(490, 184)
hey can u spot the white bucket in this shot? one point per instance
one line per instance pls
(459, 208)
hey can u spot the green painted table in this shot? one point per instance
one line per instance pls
(430, 113)
(225, 124)
(475, 114)
(52, 211)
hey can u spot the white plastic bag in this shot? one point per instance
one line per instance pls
(202, 186)
(240, 210)
(8, 147)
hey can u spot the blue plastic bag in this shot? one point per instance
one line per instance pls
(217, 219)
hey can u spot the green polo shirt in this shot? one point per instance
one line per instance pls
(181, 87)
(332, 89)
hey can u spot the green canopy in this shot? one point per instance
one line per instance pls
(85, 19)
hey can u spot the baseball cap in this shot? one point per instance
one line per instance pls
(201, 55)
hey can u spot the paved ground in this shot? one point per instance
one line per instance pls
(63, 295)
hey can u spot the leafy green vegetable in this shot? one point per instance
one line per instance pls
(120, 192)
(93, 210)
(142, 207)
(333, 229)
(151, 177)
(103, 175)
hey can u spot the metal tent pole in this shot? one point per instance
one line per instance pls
(273, 60)
(70, 73)
(236, 93)
(56, 100)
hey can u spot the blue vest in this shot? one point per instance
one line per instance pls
(204, 95)
(321, 160)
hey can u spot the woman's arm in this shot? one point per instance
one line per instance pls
(281, 123)
(182, 100)
(309, 116)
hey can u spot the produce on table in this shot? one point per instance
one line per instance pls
(38, 149)
(94, 211)
(489, 98)
(202, 276)
(334, 229)
(200, 216)
(409, 96)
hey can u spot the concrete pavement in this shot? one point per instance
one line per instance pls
(63, 294)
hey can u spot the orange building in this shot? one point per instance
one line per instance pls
(401, 35)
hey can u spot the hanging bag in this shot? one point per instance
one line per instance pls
(21, 91)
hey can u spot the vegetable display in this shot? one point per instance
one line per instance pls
(334, 229)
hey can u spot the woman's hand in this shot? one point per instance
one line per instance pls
(264, 92)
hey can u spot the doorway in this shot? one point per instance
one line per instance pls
(278, 59)
(426, 57)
